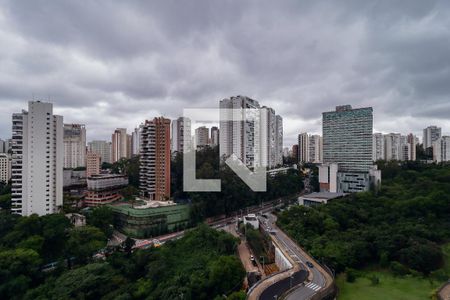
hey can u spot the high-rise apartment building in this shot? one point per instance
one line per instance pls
(238, 136)
(5, 168)
(378, 147)
(214, 136)
(411, 140)
(5, 145)
(93, 163)
(295, 152)
(252, 133)
(201, 137)
(393, 146)
(154, 166)
(278, 141)
(315, 148)
(441, 149)
(74, 146)
(103, 148)
(347, 141)
(37, 160)
(179, 141)
(303, 148)
(136, 140)
(119, 144)
(430, 135)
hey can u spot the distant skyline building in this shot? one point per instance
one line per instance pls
(74, 146)
(37, 160)
(255, 136)
(5, 145)
(430, 135)
(278, 141)
(5, 168)
(348, 142)
(178, 140)
(119, 144)
(378, 147)
(93, 163)
(136, 140)
(201, 136)
(315, 148)
(214, 140)
(441, 149)
(303, 148)
(103, 148)
(154, 168)
(295, 152)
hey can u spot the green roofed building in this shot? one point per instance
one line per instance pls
(150, 220)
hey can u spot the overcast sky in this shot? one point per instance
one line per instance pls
(111, 64)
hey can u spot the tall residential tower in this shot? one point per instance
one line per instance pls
(37, 160)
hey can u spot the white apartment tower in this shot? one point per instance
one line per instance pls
(74, 146)
(441, 149)
(37, 160)
(119, 144)
(430, 135)
(201, 137)
(178, 140)
(103, 148)
(278, 141)
(303, 148)
(315, 148)
(378, 147)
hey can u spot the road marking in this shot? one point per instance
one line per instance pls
(313, 286)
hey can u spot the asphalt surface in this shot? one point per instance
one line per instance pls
(304, 291)
(280, 287)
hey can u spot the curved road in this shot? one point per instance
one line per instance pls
(315, 281)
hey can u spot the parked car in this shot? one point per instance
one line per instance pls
(309, 264)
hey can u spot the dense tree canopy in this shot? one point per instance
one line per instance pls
(235, 193)
(201, 265)
(404, 222)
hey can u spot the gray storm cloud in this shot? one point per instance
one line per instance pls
(113, 64)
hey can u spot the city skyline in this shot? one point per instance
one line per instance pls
(300, 59)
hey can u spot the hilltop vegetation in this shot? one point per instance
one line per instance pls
(201, 265)
(400, 227)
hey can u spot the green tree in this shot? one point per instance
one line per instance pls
(83, 242)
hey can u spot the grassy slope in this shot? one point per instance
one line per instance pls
(390, 287)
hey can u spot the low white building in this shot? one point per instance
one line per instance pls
(252, 220)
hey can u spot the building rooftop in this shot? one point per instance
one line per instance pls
(324, 195)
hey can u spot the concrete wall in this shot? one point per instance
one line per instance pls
(281, 261)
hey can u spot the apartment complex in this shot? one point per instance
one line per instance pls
(154, 166)
(119, 145)
(310, 148)
(201, 137)
(136, 140)
(93, 163)
(214, 140)
(441, 149)
(347, 142)
(5, 145)
(5, 168)
(74, 146)
(178, 140)
(394, 146)
(251, 132)
(430, 135)
(103, 148)
(37, 160)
